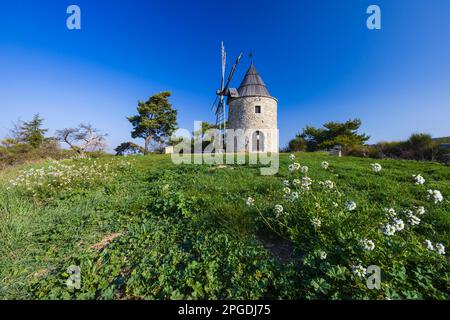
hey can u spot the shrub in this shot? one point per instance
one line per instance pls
(417, 147)
(127, 148)
(297, 144)
(359, 151)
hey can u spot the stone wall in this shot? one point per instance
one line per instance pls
(242, 115)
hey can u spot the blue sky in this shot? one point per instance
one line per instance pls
(317, 57)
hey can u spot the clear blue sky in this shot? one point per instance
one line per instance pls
(317, 57)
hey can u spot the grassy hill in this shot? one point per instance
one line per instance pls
(144, 228)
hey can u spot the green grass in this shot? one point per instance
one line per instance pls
(186, 232)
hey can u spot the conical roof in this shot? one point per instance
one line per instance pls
(253, 85)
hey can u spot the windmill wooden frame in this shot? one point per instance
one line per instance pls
(219, 106)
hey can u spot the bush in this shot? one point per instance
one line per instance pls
(359, 151)
(421, 145)
(21, 153)
(418, 147)
(297, 144)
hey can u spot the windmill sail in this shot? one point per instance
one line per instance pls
(219, 110)
(224, 62)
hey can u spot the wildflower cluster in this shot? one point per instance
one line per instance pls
(435, 195)
(397, 224)
(418, 179)
(376, 167)
(69, 176)
(440, 248)
(325, 165)
(329, 221)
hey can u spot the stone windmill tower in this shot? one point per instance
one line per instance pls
(253, 112)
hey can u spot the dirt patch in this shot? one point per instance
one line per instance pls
(280, 249)
(220, 167)
(41, 273)
(105, 241)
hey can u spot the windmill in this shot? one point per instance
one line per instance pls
(219, 104)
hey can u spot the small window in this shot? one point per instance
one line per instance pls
(257, 109)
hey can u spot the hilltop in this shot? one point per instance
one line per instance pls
(143, 228)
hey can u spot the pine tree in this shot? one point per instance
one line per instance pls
(344, 134)
(32, 132)
(155, 121)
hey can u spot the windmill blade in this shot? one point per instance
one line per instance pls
(224, 62)
(232, 72)
(222, 83)
(214, 104)
(219, 107)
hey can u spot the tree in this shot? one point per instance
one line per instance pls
(31, 132)
(82, 139)
(297, 144)
(8, 142)
(334, 133)
(201, 133)
(155, 121)
(128, 148)
(422, 145)
(14, 131)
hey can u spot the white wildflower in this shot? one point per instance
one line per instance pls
(390, 212)
(399, 224)
(292, 157)
(297, 166)
(420, 210)
(376, 167)
(413, 220)
(316, 222)
(296, 182)
(418, 179)
(306, 183)
(304, 169)
(250, 201)
(325, 165)
(278, 209)
(389, 230)
(359, 270)
(440, 248)
(327, 184)
(408, 213)
(286, 183)
(287, 190)
(429, 245)
(435, 195)
(295, 195)
(323, 255)
(350, 205)
(368, 245)
(291, 168)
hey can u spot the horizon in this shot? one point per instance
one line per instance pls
(318, 59)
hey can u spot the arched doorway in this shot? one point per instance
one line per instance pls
(258, 141)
